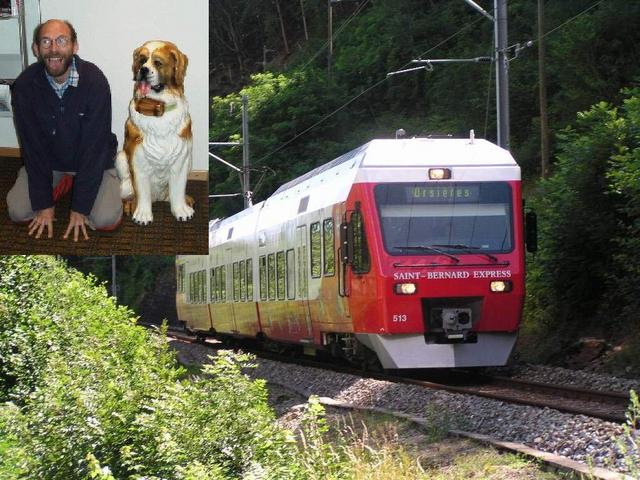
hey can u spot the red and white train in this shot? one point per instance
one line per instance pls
(409, 252)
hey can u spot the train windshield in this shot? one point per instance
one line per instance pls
(457, 218)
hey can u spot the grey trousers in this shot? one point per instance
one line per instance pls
(106, 211)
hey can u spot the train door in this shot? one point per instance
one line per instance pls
(303, 276)
(343, 271)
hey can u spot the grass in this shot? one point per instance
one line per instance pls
(378, 447)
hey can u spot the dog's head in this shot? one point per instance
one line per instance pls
(160, 64)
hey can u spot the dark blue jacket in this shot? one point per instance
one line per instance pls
(72, 134)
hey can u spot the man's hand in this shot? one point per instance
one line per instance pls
(44, 218)
(77, 222)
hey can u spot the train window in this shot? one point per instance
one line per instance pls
(291, 274)
(194, 289)
(361, 259)
(328, 243)
(216, 284)
(223, 283)
(243, 282)
(191, 288)
(220, 280)
(236, 282)
(262, 267)
(280, 272)
(180, 278)
(447, 216)
(305, 272)
(271, 264)
(213, 287)
(300, 292)
(316, 250)
(203, 286)
(249, 280)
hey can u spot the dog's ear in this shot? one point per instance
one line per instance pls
(134, 64)
(179, 66)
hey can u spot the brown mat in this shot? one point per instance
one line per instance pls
(165, 235)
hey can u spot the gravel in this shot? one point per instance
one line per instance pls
(578, 437)
(576, 378)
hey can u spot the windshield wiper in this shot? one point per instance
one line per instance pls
(469, 249)
(427, 248)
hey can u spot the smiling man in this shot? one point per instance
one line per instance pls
(62, 113)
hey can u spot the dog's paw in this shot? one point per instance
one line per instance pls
(182, 212)
(143, 216)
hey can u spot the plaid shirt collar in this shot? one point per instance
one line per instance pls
(72, 80)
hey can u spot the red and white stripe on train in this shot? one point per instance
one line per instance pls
(409, 252)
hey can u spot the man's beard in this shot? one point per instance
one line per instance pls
(56, 68)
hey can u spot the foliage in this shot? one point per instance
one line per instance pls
(589, 227)
(87, 394)
(281, 107)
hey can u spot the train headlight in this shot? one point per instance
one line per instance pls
(501, 286)
(439, 173)
(405, 288)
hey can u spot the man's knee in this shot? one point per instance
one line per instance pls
(107, 219)
(107, 211)
(18, 202)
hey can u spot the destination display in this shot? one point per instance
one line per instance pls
(442, 193)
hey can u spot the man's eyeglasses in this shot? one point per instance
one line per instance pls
(61, 41)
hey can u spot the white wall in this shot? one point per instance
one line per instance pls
(109, 31)
(10, 67)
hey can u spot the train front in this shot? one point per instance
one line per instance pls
(444, 236)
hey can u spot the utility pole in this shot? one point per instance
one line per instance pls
(246, 193)
(502, 72)
(499, 56)
(304, 20)
(542, 82)
(244, 172)
(114, 285)
(330, 35)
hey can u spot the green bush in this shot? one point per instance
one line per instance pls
(88, 394)
(583, 277)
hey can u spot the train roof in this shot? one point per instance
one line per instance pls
(414, 152)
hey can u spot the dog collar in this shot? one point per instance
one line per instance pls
(153, 108)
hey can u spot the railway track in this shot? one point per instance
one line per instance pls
(606, 405)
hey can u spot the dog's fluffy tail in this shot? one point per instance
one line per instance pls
(122, 166)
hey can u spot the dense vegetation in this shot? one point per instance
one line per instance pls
(584, 279)
(585, 276)
(87, 394)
